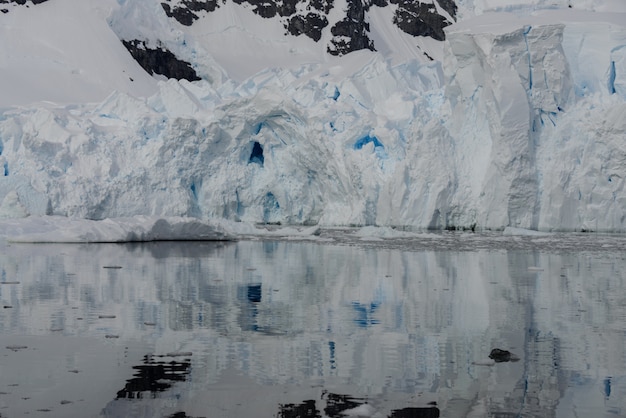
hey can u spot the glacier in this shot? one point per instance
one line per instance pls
(520, 124)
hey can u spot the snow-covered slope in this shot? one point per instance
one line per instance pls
(65, 52)
(519, 121)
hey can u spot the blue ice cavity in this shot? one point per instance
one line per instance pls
(256, 156)
(379, 148)
(5, 169)
(336, 94)
(364, 140)
(194, 190)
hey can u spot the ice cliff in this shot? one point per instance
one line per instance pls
(521, 124)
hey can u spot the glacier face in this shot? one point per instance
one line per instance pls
(513, 128)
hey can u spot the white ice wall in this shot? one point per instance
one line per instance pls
(521, 125)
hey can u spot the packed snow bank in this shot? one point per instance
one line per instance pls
(140, 228)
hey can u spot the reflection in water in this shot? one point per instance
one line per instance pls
(153, 376)
(285, 329)
(306, 409)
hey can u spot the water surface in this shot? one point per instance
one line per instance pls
(296, 329)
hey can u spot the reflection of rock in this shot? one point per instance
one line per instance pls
(155, 376)
(337, 405)
(304, 410)
(347, 406)
(502, 356)
(428, 412)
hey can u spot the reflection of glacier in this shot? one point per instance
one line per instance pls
(398, 328)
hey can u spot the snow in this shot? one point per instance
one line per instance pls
(64, 51)
(58, 229)
(509, 127)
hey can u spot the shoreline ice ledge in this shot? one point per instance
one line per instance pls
(514, 129)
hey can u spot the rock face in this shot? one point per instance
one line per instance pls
(186, 11)
(502, 356)
(19, 2)
(421, 19)
(351, 33)
(160, 61)
(311, 17)
(22, 2)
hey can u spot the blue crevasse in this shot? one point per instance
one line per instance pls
(530, 65)
(364, 140)
(612, 76)
(256, 156)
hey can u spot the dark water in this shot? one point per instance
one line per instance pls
(287, 329)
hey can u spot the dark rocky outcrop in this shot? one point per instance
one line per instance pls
(186, 11)
(160, 61)
(449, 6)
(420, 19)
(22, 2)
(310, 18)
(502, 356)
(351, 33)
(310, 25)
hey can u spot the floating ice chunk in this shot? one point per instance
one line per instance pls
(509, 231)
(139, 228)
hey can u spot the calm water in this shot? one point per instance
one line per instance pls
(293, 329)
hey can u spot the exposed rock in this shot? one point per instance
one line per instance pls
(311, 25)
(449, 6)
(22, 2)
(186, 11)
(502, 356)
(310, 17)
(420, 19)
(160, 61)
(351, 33)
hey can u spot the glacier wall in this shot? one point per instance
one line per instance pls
(522, 125)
